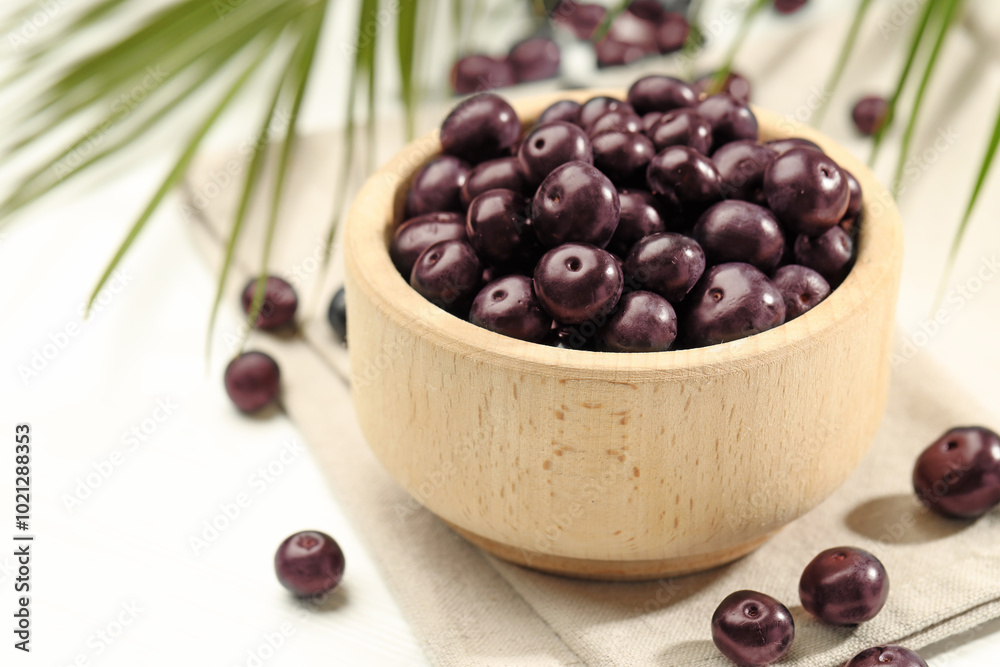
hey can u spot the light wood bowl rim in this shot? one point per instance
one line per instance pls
(372, 218)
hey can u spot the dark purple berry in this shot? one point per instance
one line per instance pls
(668, 264)
(621, 121)
(686, 178)
(870, 114)
(534, 59)
(731, 120)
(582, 18)
(309, 563)
(672, 32)
(731, 301)
(437, 187)
(447, 274)
(641, 215)
(789, 6)
(577, 282)
(735, 84)
(622, 156)
(650, 119)
(336, 314)
(596, 107)
(752, 629)
(643, 322)
(782, 146)
(830, 255)
(565, 110)
(498, 227)
(855, 201)
(682, 127)
(844, 586)
(802, 288)
(958, 475)
(738, 231)
(660, 93)
(252, 381)
(478, 73)
(279, 305)
(550, 145)
(742, 165)
(575, 202)
(509, 306)
(503, 172)
(882, 656)
(480, 128)
(417, 234)
(807, 191)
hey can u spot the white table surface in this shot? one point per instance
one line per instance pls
(116, 577)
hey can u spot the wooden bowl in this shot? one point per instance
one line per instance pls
(617, 466)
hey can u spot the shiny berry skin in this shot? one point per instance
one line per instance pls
(668, 264)
(735, 84)
(447, 274)
(577, 282)
(672, 32)
(807, 191)
(437, 187)
(309, 563)
(622, 156)
(417, 234)
(498, 228)
(742, 165)
(958, 475)
(660, 93)
(621, 121)
(882, 656)
(575, 202)
(870, 114)
(844, 586)
(649, 120)
(596, 107)
(686, 178)
(565, 110)
(738, 231)
(336, 314)
(830, 254)
(782, 146)
(802, 288)
(534, 59)
(731, 301)
(643, 322)
(279, 305)
(682, 127)
(480, 128)
(252, 381)
(731, 120)
(641, 215)
(789, 6)
(550, 145)
(856, 199)
(509, 306)
(503, 172)
(752, 629)
(478, 73)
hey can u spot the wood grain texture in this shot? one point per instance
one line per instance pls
(617, 465)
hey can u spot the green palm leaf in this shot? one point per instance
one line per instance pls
(984, 170)
(842, 58)
(946, 20)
